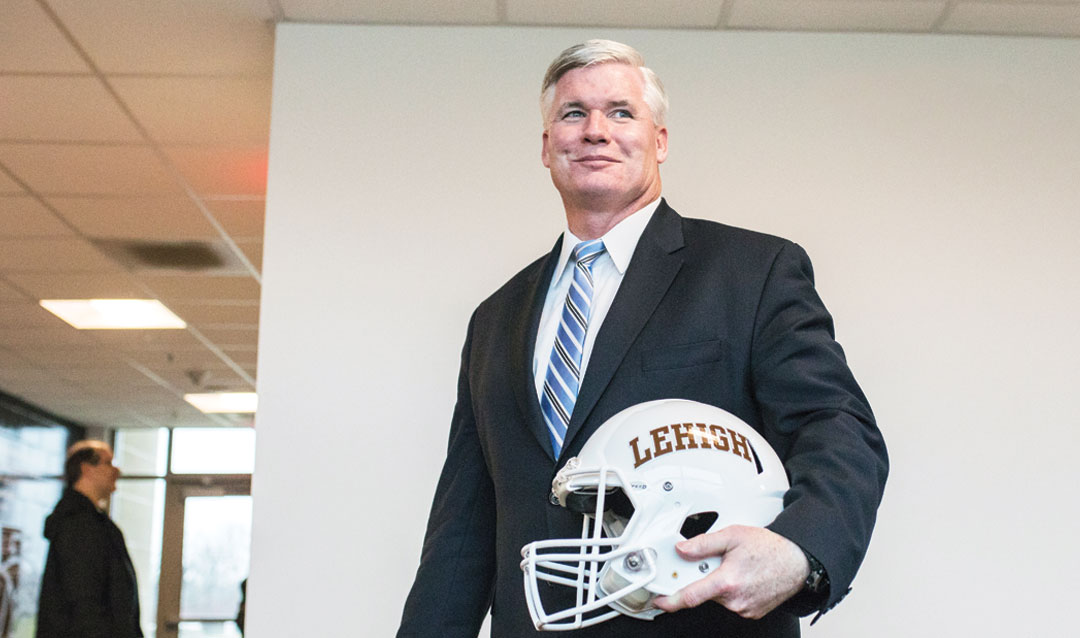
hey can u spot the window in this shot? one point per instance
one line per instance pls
(213, 451)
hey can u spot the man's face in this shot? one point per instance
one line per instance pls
(103, 475)
(600, 142)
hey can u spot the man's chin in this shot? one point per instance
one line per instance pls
(596, 191)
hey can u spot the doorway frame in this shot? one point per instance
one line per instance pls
(178, 487)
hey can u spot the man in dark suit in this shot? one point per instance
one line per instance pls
(664, 307)
(88, 589)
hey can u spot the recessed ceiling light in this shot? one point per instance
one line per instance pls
(114, 314)
(224, 402)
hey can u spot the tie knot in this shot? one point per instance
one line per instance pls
(587, 251)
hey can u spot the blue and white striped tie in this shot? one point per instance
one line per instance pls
(564, 368)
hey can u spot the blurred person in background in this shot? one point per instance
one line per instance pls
(88, 589)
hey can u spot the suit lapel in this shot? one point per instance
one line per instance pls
(525, 322)
(652, 269)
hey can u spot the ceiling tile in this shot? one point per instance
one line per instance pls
(835, 15)
(224, 336)
(221, 382)
(239, 170)
(88, 169)
(28, 314)
(149, 345)
(254, 252)
(51, 255)
(131, 394)
(59, 358)
(29, 41)
(1014, 19)
(88, 376)
(33, 344)
(616, 13)
(244, 356)
(52, 354)
(48, 391)
(7, 185)
(78, 285)
(15, 370)
(89, 412)
(25, 216)
(182, 364)
(10, 293)
(197, 378)
(182, 288)
(203, 110)
(242, 219)
(176, 417)
(400, 11)
(174, 36)
(213, 380)
(168, 218)
(214, 313)
(61, 108)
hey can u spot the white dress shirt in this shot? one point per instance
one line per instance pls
(607, 271)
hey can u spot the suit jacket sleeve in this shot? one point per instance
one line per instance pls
(453, 587)
(833, 451)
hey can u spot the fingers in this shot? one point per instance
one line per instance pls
(759, 570)
(704, 545)
(712, 587)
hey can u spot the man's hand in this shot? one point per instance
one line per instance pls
(759, 571)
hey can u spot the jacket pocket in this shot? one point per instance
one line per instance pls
(684, 355)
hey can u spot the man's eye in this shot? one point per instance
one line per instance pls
(622, 113)
(569, 115)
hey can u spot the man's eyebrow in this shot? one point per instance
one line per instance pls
(581, 105)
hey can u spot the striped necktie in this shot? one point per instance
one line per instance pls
(564, 368)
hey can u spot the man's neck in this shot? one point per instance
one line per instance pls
(590, 220)
(89, 493)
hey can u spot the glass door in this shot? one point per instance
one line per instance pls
(184, 504)
(207, 532)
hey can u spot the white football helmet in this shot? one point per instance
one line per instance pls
(650, 476)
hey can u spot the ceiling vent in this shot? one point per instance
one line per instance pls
(189, 256)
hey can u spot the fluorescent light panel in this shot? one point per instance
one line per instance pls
(114, 314)
(224, 402)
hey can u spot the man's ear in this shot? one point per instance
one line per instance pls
(544, 151)
(661, 145)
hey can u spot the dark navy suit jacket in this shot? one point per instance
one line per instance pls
(705, 312)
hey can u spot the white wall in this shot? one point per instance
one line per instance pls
(934, 180)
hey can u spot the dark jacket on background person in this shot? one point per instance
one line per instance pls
(88, 589)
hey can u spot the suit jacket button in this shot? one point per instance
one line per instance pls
(553, 498)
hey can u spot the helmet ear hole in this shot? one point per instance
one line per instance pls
(699, 523)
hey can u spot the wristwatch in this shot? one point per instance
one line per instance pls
(817, 581)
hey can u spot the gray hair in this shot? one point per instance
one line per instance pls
(593, 52)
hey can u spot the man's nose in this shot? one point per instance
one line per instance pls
(596, 127)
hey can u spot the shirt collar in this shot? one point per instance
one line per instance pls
(619, 242)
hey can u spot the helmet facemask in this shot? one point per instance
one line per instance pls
(609, 575)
